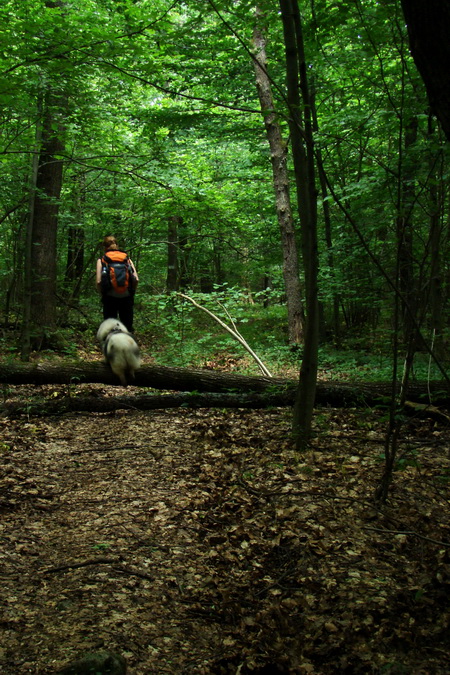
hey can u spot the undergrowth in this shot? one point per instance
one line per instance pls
(173, 332)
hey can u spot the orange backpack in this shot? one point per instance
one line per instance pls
(117, 274)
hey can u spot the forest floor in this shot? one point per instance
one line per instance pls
(201, 542)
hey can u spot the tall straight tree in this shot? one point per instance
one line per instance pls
(172, 279)
(301, 128)
(41, 254)
(76, 239)
(45, 221)
(25, 338)
(278, 156)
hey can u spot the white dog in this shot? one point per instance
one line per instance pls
(119, 349)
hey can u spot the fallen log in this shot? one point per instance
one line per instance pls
(154, 376)
(273, 391)
(107, 404)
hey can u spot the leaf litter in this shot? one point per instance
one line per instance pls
(201, 542)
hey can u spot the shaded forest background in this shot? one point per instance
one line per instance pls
(143, 119)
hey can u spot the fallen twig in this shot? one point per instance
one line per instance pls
(408, 533)
(84, 563)
(134, 573)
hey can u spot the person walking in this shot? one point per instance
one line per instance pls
(117, 281)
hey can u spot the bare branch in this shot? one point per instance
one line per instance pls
(233, 332)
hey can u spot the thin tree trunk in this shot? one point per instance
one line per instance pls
(172, 254)
(75, 260)
(25, 338)
(278, 155)
(303, 156)
(435, 298)
(217, 261)
(76, 240)
(407, 282)
(328, 231)
(184, 255)
(405, 309)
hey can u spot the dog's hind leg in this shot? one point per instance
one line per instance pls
(117, 362)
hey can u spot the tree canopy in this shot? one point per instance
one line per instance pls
(159, 116)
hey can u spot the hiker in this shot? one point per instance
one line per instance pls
(117, 280)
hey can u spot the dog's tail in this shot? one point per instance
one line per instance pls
(124, 358)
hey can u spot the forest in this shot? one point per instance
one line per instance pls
(270, 492)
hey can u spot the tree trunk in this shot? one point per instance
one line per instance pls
(172, 255)
(76, 239)
(75, 260)
(428, 23)
(45, 222)
(184, 249)
(435, 298)
(278, 155)
(328, 231)
(404, 229)
(303, 156)
(106, 404)
(25, 337)
(217, 260)
(158, 377)
(252, 401)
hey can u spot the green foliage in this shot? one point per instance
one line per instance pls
(160, 118)
(182, 335)
(408, 459)
(445, 476)
(101, 546)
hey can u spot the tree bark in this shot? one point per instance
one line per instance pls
(75, 260)
(76, 239)
(25, 338)
(253, 401)
(278, 156)
(172, 254)
(45, 221)
(271, 390)
(328, 229)
(40, 259)
(158, 377)
(435, 296)
(147, 402)
(184, 250)
(303, 158)
(428, 23)
(404, 230)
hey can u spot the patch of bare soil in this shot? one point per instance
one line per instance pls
(199, 542)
